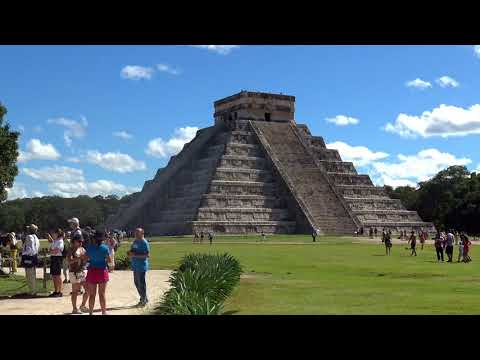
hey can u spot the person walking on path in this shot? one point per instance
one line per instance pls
(449, 246)
(30, 257)
(413, 243)
(66, 247)
(111, 243)
(388, 243)
(77, 273)
(97, 273)
(439, 246)
(56, 259)
(139, 253)
(76, 233)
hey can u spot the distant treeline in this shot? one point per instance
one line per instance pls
(49, 212)
(451, 199)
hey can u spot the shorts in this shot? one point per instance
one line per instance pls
(77, 277)
(97, 276)
(56, 265)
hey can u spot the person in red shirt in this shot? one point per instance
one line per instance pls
(466, 248)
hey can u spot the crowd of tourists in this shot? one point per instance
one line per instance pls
(444, 243)
(85, 257)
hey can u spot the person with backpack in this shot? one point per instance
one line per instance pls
(57, 247)
(30, 257)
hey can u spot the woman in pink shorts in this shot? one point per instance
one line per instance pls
(97, 275)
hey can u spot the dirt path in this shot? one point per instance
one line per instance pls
(121, 297)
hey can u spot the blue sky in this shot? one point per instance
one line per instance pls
(103, 119)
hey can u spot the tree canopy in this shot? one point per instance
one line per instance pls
(8, 154)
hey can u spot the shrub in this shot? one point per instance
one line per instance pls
(123, 263)
(201, 285)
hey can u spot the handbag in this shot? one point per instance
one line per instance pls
(29, 261)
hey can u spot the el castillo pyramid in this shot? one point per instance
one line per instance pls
(258, 170)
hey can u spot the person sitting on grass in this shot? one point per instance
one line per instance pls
(97, 273)
(77, 274)
(139, 254)
(56, 259)
(413, 243)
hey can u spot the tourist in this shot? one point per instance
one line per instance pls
(422, 237)
(77, 274)
(314, 235)
(201, 237)
(413, 243)
(195, 237)
(139, 254)
(30, 257)
(375, 231)
(210, 237)
(466, 248)
(439, 246)
(460, 249)
(111, 243)
(57, 247)
(370, 233)
(66, 247)
(264, 237)
(97, 273)
(449, 246)
(388, 242)
(13, 251)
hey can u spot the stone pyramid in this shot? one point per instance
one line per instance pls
(258, 170)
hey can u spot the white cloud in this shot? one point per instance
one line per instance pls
(168, 69)
(55, 174)
(219, 49)
(410, 169)
(359, 155)
(444, 121)
(447, 81)
(115, 161)
(123, 135)
(161, 149)
(476, 49)
(135, 72)
(342, 120)
(99, 187)
(73, 129)
(38, 151)
(418, 84)
(17, 191)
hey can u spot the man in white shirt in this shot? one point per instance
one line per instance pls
(29, 255)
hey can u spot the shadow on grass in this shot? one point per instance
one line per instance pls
(230, 312)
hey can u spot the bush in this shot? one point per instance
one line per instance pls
(201, 285)
(123, 263)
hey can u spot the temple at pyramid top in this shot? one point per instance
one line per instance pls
(259, 106)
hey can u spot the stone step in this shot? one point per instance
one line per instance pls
(229, 200)
(239, 174)
(242, 137)
(215, 150)
(242, 187)
(396, 224)
(359, 204)
(349, 179)
(338, 166)
(242, 214)
(245, 227)
(388, 216)
(326, 154)
(361, 191)
(245, 162)
(252, 150)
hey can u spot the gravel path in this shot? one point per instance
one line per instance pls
(121, 297)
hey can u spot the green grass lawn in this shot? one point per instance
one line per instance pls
(13, 285)
(336, 276)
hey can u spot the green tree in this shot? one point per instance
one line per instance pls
(8, 154)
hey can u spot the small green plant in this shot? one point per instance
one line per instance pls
(123, 263)
(201, 285)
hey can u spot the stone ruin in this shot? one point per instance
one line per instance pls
(258, 170)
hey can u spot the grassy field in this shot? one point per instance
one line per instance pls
(13, 285)
(335, 276)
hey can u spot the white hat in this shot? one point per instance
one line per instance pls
(74, 220)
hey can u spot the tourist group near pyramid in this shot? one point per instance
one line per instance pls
(257, 170)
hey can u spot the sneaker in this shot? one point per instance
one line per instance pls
(76, 312)
(84, 309)
(59, 294)
(54, 294)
